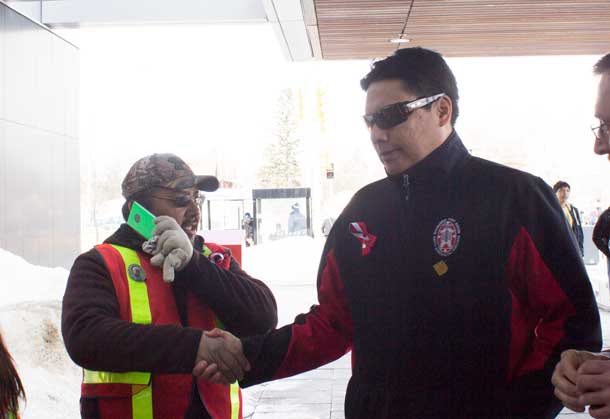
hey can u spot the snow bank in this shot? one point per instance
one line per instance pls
(30, 312)
(21, 281)
(52, 382)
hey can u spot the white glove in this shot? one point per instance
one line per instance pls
(175, 261)
(174, 249)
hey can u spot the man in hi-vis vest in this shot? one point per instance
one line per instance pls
(135, 312)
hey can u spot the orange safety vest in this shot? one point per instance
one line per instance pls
(144, 298)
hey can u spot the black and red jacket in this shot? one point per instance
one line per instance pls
(456, 284)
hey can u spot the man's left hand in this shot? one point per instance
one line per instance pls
(174, 249)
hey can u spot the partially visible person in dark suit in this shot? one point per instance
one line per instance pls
(562, 191)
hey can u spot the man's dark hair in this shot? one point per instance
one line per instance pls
(602, 66)
(422, 72)
(143, 199)
(561, 184)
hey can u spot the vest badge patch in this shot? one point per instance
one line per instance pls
(446, 237)
(136, 273)
(366, 239)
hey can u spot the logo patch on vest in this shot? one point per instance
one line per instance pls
(366, 239)
(136, 273)
(446, 236)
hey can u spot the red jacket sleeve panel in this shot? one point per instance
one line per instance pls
(540, 308)
(325, 333)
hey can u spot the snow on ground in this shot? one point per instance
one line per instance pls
(30, 312)
(289, 267)
(290, 261)
(30, 307)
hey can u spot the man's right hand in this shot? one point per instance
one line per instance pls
(594, 384)
(220, 358)
(565, 377)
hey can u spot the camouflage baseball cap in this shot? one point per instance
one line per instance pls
(164, 170)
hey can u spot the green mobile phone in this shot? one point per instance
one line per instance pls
(141, 220)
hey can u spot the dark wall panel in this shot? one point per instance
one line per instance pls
(39, 153)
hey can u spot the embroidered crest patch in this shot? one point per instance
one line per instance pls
(366, 239)
(446, 237)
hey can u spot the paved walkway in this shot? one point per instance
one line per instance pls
(319, 394)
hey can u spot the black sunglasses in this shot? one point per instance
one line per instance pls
(181, 201)
(397, 113)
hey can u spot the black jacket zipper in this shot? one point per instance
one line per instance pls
(406, 186)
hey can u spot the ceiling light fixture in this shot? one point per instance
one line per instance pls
(401, 38)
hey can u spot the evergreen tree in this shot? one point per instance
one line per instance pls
(281, 168)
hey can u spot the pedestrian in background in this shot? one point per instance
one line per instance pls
(562, 190)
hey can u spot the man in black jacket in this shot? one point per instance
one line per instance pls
(454, 281)
(562, 190)
(582, 378)
(99, 332)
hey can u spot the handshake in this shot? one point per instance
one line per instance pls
(220, 358)
(582, 379)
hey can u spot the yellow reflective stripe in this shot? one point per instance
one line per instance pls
(142, 404)
(206, 251)
(101, 377)
(11, 415)
(138, 293)
(140, 313)
(234, 390)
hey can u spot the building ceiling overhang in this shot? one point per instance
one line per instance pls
(363, 29)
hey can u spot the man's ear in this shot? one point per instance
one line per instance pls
(444, 110)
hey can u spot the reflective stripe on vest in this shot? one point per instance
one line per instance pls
(235, 404)
(12, 415)
(141, 401)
